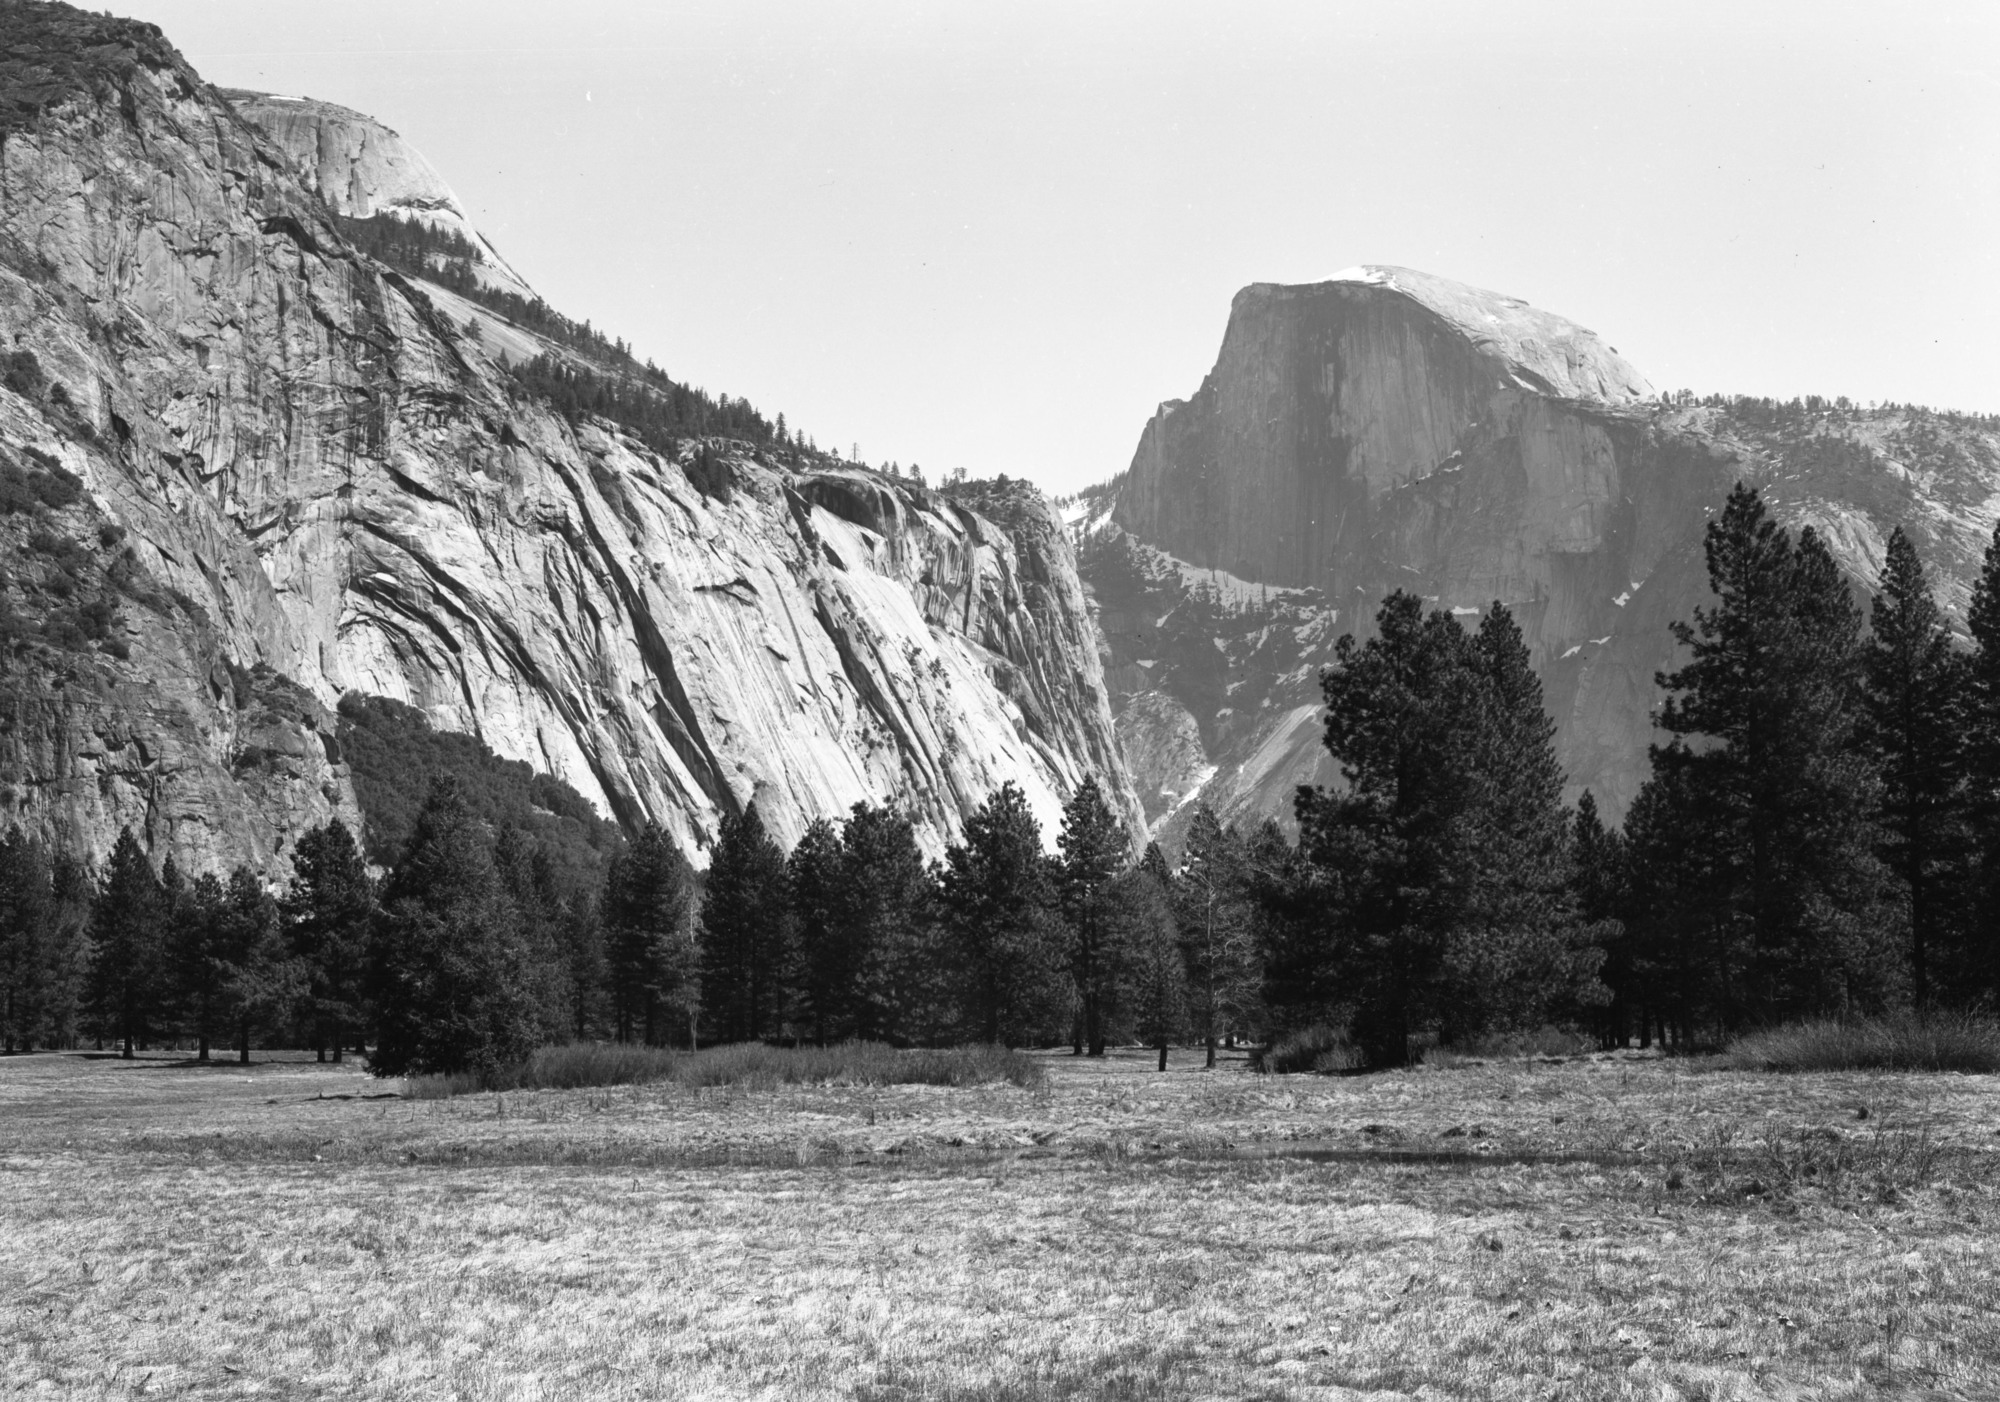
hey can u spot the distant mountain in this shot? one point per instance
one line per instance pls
(1389, 429)
(278, 426)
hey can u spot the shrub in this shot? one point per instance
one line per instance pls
(22, 373)
(1900, 1042)
(1320, 1049)
(752, 1065)
(1513, 1046)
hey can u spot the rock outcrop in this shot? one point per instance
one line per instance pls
(1388, 429)
(320, 477)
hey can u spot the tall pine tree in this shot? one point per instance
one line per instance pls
(651, 952)
(328, 913)
(128, 933)
(745, 933)
(1775, 788)
(1914, 726)
(1000, 901)
(1093, 844)
(447, 968)
(1983, 767)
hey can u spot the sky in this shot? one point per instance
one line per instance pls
(995, 236)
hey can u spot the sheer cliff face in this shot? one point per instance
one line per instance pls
(326, 483)
(1391, 430)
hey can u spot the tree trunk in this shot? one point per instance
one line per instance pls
(1210, 1064)
(201, 1054)
(243, 1043)
(1163, 1056)
(128, 1044)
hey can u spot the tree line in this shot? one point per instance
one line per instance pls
(1819, 834)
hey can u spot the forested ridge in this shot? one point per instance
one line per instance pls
(1820, 836)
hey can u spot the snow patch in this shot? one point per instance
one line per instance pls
(1574, 650)
(1620, 600)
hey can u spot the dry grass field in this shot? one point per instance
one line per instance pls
(1610, 1226)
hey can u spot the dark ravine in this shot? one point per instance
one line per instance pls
(328, 480)
(1388, 429)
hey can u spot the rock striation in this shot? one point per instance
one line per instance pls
(317, 475)
(1388, 429)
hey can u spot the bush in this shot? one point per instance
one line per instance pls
(1513, 1046)
(1900, 1042)
(1321, 1049)
(753, 1065)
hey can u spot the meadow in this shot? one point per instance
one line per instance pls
(1605, 1225)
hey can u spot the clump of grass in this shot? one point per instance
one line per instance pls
(1321, 1048)
(1513, 1046)
(1900, 1042)
(751, 1065)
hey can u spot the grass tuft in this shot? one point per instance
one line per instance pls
(1321, 1049)
(751, 1065)
(1900, 1042)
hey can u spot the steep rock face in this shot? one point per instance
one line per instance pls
(1391, 430)
(361, 168)
(350, 493)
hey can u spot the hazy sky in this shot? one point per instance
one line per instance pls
(996, 235)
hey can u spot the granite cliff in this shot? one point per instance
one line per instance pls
(1388, 429)
(252, 469)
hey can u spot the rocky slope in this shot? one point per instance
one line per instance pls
(1387, 429)
(303, 473)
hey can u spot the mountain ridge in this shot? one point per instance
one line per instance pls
(339, 468)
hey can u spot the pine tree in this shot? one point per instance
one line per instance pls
(198, 962)
(826, 969)
(1215, 932)
(263, 982)
(534, 888)
(1000, 899)
(1519, 955)
(745, 932)
(1914, 726)
(1140, 920)
(1598, 890)
(653, 958)
(446, 965)
(901, 990)
(128, 929)
(329, 912)
(1093, 844)
(44, 905)
(1983, 756)
(1400, 721)
(1780, 793)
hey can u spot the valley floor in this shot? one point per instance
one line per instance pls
(1610, 1226)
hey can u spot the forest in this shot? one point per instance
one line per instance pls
(1819, 837)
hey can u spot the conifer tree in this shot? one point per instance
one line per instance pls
(329, 912)
(263, 982)
(1215, 931)
(1779, 793)
(1914, 723)
(650, 946)
(1399, 721)
(1598, 889)
(198, 961)
(1519, 954)
(999, 899)
(1140, 921)
(128, 930)
(1093, 844)
(533, 887)
(901, 989)
(745, 932)
(447, 963)
(826, 969)
(44, 904)
(1983, 766)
